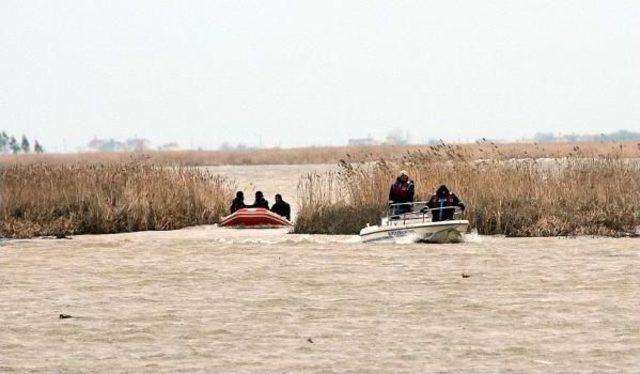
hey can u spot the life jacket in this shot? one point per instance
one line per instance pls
(448, 200)
(438, 203)
(401, 190)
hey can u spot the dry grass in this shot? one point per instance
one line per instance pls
(322, 155)
(576, 195)
(325, 210)
(42, 199)
(586, 188)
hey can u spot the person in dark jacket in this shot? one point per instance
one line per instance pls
(444, 203)
(402, 191)
(281, 208)
(260, 202)
(238, 202)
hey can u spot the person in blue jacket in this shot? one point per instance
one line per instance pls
(443, 204)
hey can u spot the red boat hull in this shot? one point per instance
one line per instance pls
(254, 217)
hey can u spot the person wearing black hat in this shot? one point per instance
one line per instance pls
(260, 202)
(238, 202)
(282, 208)
(443, 204)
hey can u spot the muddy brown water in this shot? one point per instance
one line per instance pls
(207, 299)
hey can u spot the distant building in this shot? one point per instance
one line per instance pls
(362, 142)
(489, 141)
(137, 144)
(617, 136)
(172, 146)
(104, 145)
(396, 137)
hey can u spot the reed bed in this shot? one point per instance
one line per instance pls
(576, 195)
(66, 199)
(323, 155)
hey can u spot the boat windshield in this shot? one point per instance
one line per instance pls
(418, 210)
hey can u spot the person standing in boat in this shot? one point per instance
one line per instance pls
(402, 191)
(238, 202)
(282, 208)
(260, 202)
(443, 204)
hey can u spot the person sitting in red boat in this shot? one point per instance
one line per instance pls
(282, 208)
(443, 203)
(238, 202)
(260, 202)
(402, 191)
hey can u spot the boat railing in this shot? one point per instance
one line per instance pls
(416, 210)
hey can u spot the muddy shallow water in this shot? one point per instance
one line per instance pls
(207, 299)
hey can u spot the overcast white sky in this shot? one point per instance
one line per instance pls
(294, 73)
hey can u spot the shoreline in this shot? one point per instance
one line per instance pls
(281, 233)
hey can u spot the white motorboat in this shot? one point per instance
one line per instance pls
(413, 222)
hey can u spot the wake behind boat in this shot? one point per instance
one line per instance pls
(416, 224)
(254, 218)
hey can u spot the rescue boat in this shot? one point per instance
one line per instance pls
(254, 218)
(415, 224)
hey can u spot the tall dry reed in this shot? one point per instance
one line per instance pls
(325, 210)
(64, 199)
(577, 195)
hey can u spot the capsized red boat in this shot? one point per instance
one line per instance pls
(254, 218)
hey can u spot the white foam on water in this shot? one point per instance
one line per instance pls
(280, 237)
(472, 237)
(407, 239)
(321, 239)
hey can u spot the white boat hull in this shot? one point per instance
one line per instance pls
(430, 232)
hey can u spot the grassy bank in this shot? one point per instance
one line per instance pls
(65, 199)
(575, 195)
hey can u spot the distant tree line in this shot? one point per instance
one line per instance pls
(618, 136)
(113, 145)
(240, 147)
(10, 144)
(129, 145)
